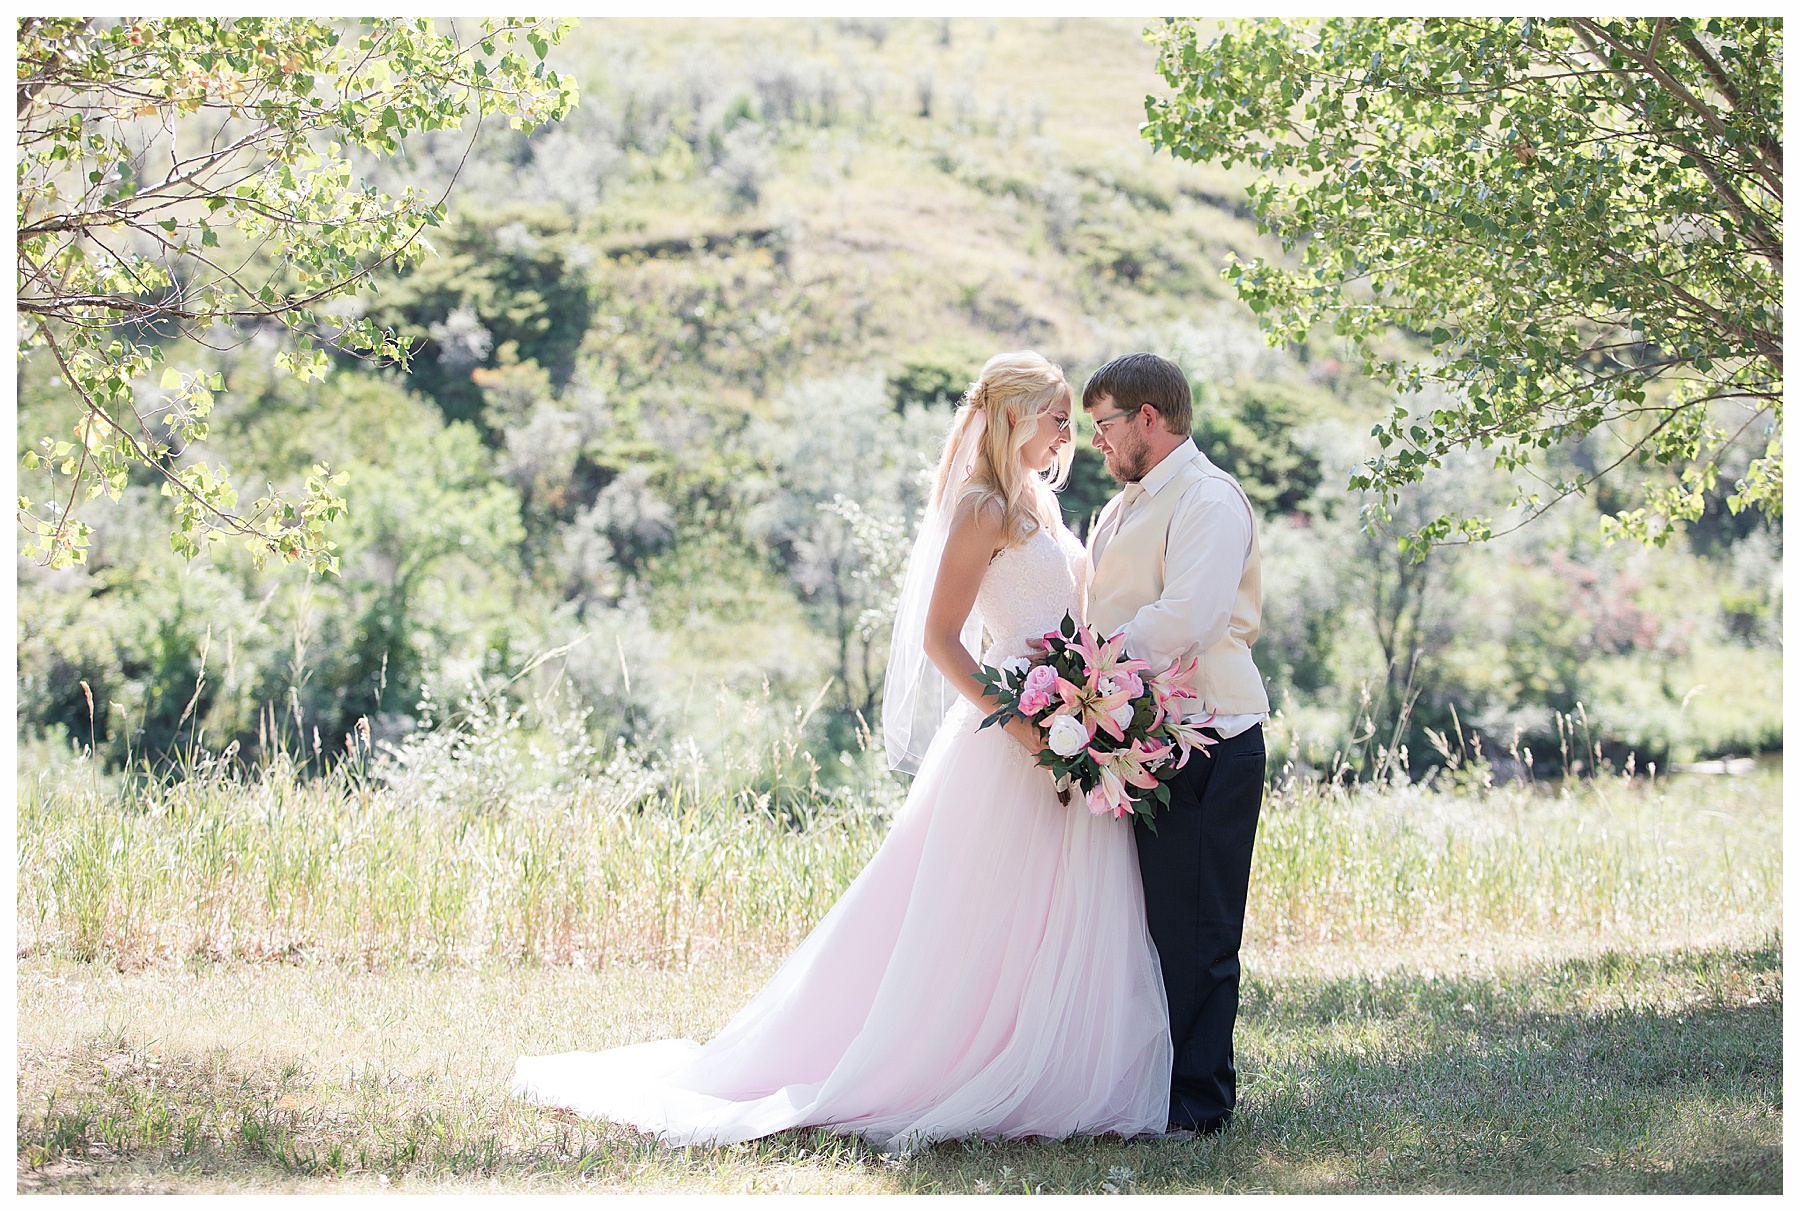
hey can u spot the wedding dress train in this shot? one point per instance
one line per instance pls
(988, 974)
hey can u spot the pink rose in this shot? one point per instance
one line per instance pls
(1132, 684)
(1101, 804)
(1041, 677)
(1033, 701)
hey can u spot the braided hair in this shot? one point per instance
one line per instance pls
(1011, 392)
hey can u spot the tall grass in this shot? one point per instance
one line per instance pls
(274, 866)
(1451, 986)
(1611, 857)
(507, 838)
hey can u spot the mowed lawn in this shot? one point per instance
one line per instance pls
(1441, 1051)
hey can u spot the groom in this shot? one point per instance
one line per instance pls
(1175, 564)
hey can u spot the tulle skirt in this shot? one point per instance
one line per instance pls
(988, 974)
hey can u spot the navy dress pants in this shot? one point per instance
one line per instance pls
(1196, 871)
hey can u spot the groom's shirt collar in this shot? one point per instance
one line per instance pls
(1157, 477)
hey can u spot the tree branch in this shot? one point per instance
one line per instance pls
(1591, 29)
(229, 521)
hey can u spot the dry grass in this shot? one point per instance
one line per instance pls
(1609, 1071)
(1514, 991)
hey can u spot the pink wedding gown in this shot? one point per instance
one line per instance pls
(989, 973)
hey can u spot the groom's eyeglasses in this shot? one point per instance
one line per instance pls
(1100, 423)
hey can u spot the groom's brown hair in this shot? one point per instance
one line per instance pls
(1136, 379)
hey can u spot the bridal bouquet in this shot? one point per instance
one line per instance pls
(1110, 728)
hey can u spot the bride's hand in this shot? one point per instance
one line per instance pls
(1027, 734)
(1035, 740)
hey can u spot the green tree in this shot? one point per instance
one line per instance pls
(1581, 217)
(506, 289)
(1252, 430)
(423, 521)
(190, 177)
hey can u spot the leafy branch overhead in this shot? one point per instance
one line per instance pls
(1582, 218)
(189, 177)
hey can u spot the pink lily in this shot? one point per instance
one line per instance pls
(1119, 768)
(1187, 735)
(1093, 706)
(1105, 659)
(1176, 682)
(1151, 753)
(1109, 795)
(1170, 685)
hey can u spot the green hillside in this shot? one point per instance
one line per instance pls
(681, 361)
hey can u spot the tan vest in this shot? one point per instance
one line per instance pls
(1130, 577)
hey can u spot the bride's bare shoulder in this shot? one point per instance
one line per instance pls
(978, 519)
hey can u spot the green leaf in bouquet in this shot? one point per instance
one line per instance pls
(1068, 626)
(999, 717)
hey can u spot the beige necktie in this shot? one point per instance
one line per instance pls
(1127, 499)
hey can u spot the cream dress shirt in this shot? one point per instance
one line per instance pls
(1209, 541)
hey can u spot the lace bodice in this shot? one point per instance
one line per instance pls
(1029, 587)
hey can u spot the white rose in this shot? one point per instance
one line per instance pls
(1122, 715)
(1067, 736)
(1015, 665)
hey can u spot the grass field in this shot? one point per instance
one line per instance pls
(281, 985)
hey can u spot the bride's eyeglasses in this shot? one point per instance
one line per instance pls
(1062, 421)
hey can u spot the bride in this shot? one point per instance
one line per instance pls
(989, 973)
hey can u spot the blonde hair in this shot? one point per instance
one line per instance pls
(1012, 393)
